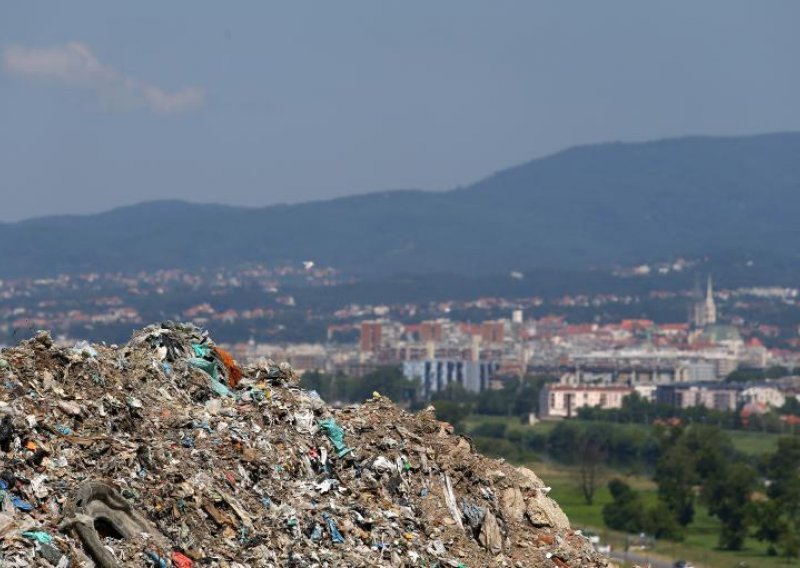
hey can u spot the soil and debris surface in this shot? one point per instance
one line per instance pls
(163, 452)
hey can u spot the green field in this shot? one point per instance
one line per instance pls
(700, 544)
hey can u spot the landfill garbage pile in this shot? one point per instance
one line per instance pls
(163, 452)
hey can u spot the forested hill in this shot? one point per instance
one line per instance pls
(589, 206)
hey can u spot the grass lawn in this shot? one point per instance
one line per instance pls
(753, 443)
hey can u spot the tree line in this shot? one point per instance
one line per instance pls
(637, 410)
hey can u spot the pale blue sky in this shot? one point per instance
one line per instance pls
(105, 104)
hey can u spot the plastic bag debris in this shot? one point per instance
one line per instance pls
(333, 530)
(181, 560)
(38, 536)
(473, 513)
(85, 349)
(336, 436)
(21, 504)
(234, 373)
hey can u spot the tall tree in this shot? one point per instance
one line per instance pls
(778, 519)
(592, 455)
(675, 475)
(769, 523)
(727, 495)
(783, 472)
(691, 457)
(626, 510)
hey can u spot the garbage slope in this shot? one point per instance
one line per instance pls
(163, 452)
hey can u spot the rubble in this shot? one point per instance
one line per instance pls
(163, 452)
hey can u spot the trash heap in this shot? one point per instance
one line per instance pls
(163, 452)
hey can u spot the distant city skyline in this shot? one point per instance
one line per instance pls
(262, 104)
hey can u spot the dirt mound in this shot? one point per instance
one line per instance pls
(163, 452)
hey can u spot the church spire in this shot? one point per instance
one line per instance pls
(711, 306)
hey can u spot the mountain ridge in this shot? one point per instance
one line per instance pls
(587, 206)
(554, 155)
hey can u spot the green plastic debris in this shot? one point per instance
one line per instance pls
(336, 436)
(3, 363)
(220, 388)
(200, 350)
(38, 536)
(210, 369)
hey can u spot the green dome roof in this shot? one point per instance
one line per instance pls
(720, 333)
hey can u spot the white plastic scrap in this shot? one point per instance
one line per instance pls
(304, 422)
(382, 464)
(450, 500)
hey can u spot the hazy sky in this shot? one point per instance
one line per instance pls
(104, 104)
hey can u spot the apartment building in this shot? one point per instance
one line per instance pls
(564, 401)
